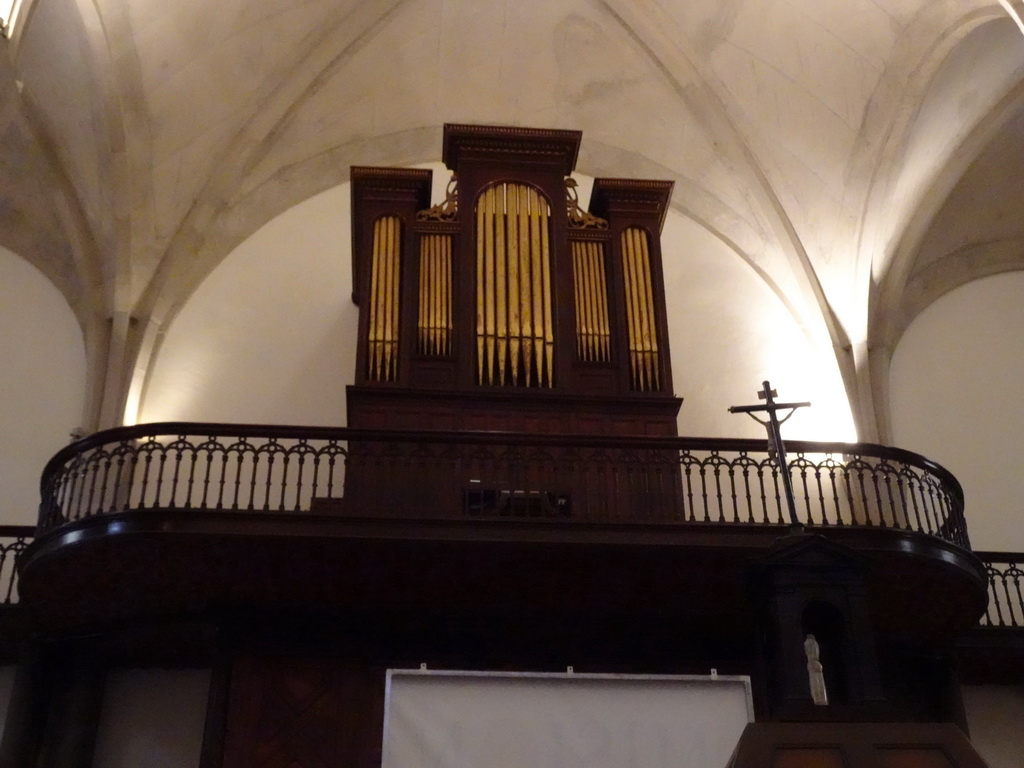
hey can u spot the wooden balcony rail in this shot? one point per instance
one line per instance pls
(446, 475)
(1005, 585)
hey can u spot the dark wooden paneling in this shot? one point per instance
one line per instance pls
(303, 712)
(854, 745)
(548, 413)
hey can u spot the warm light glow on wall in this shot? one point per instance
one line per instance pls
(729, 332)
(9, 14)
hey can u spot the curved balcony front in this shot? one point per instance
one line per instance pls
(168, 520)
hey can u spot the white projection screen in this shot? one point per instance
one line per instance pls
(449, 719)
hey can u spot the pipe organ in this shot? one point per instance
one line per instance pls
(506, 305)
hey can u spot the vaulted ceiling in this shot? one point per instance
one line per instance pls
(863, 156)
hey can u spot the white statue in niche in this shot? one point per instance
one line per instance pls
(815, 671)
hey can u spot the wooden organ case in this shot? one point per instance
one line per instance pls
(506, 306)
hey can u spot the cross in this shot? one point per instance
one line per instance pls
(775, 445)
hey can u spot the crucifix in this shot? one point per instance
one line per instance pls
(775, 445)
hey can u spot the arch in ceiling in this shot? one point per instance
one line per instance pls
(81, 204)
(932, 159)
(253, 180)
(1015, 10)
(977, 231)
(227, 209)
(193, 250)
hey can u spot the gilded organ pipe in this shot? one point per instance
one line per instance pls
(489, 301)
(434, 292)
(481, 327)
(435, 316)
(382, 301)
(599, 303)
(501, 274)
(640, 315)
(593, 335)
(590, 304)
(393, 293)
(423, 318)
(549, 331)
(382, 335)
(515, 328)
(526, 291)
(581, 330)
(603, 323)
(643, 310)
(446, 277)
(602, 289)
(632, 309)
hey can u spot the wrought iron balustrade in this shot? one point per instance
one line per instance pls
(1005, 589)
(283, 470)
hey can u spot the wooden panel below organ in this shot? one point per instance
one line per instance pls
(526, 479)
(375, 408)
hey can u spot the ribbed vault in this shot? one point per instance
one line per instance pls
(855, 154)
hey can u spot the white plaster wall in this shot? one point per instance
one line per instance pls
(729, 332)
(269, 337)
(42, 382)
(152, 718)
(955, 388)
(994, 716)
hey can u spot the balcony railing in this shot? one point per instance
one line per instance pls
(279, 470)
(1005, 589)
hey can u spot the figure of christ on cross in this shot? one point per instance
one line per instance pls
(775, 445)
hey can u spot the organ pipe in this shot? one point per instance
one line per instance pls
(382, 360)
(435, 294)
(515, 321)
(593, 334)
(640, 318)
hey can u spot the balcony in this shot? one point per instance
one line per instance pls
(993, 652)
(160, 524)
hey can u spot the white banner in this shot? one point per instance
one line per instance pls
(511, 720)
